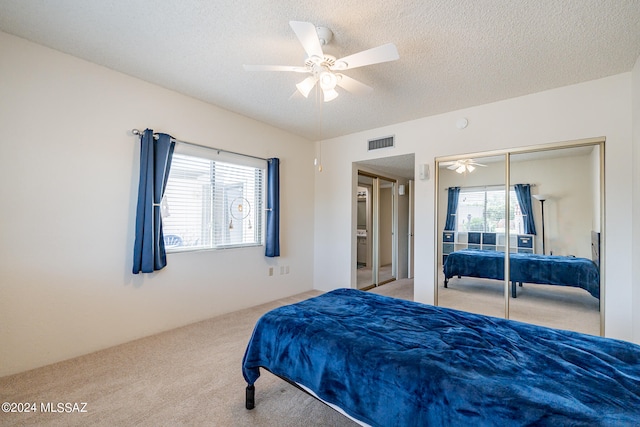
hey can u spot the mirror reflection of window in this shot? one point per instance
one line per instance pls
(484, 210)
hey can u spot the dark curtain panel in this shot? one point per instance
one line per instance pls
(523, 193)
(155, 161)
(272, 243)
(452, 207)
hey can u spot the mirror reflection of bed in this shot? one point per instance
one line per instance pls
(563, 268)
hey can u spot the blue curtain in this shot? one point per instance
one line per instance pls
(155, 161)
(272, 244)
(452, 207)
(523, 193)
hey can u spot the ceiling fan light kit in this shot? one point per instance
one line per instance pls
(322, 67)
(305, 86)
(465, 165)
(328, 80)
(329, 95)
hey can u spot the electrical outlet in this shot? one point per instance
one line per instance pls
(286, 270)
(270, 271)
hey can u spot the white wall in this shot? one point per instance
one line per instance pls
(635, 191)
(68, 184)
(597, 108)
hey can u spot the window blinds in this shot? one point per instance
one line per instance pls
(213, 200)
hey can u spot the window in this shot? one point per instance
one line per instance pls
(213, 200)
(483, 210)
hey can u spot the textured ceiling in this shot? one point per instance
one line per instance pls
(401, 166)
(453, 53)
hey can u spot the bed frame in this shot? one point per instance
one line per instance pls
(384, 361)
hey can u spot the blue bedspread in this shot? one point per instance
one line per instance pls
(390, 362)
(526, 268)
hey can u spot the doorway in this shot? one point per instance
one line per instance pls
(376, 230)
(387, 181)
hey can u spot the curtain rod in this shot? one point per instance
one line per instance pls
(487, 187)
(155, 135)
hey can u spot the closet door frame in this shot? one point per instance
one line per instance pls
(598, 141)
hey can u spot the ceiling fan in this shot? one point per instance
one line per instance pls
(324, 69)
(464, 165)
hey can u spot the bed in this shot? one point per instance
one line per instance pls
(390, 362)
(525, 268)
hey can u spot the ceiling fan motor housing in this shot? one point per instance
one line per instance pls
(324, 35)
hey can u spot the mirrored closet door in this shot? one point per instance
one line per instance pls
(545, 212)
(471, 218)
(564, 288)
(376, 231)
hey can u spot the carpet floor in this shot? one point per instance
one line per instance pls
(186, 376)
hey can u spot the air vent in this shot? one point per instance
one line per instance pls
(386, 142)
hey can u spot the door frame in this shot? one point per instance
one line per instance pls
(373, 234)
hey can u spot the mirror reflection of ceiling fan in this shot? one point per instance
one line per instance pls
(324, 69)
(464, 165)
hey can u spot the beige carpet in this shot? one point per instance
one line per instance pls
(546, 305)
(187, 376)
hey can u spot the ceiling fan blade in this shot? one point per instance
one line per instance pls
(306, 33)
(386, 52)
(453, 166)
(473, 162)
(353, 85)
(276, 68)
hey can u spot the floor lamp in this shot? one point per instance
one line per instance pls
(542, 198)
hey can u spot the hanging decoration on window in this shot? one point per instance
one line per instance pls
(240, 208)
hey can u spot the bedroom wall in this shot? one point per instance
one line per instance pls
(635, 191)
(68, 185)
(569, 210)
(591, 109)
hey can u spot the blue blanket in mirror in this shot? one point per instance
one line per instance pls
(525, 268)
(390, 362)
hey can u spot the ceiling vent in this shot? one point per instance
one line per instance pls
(386, 142)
